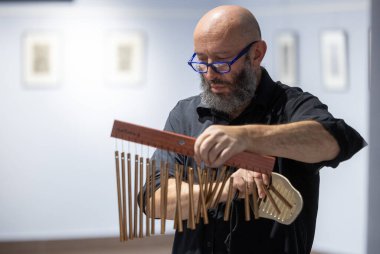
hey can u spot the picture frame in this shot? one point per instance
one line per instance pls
(125, 57)
(41, 59)
(287, 57)
(334, 60)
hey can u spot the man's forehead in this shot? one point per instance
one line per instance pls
(215, 46)
(213, 49)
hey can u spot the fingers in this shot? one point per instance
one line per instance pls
(241, 176)
(217, 144)
(215, 154)
(209, 147)
(238, 183)
(260, 187)
(221, 156)
(197, 148)
(266, 179)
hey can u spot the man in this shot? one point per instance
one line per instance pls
(242, 109)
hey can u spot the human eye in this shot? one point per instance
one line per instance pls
(201, 58)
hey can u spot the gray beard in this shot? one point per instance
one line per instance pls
(244, 88)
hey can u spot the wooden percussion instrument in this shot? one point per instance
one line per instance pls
(282, 202)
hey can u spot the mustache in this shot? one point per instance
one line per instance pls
(217, 81)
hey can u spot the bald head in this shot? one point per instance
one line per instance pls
(227, 24)
(225, 34)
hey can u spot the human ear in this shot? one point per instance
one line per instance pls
(258, 53)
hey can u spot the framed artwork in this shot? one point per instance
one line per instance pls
(287, 58)
(125, 58)
(41, 59)
(334, 60)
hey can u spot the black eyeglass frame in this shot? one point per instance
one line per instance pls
(212, 65)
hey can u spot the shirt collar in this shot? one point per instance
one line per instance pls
(265, 90)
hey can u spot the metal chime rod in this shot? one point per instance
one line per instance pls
(255, 199)
(153, 198)
(246, 203)
(147, 195)
(216, 202)
(210, 186)
(141, 218)
(162, 201)
(135, 195)
(119, 194)
(228, 202)
(215, 188)
(129, 169)
(124, 226)
(202, 204)
(199, 206)
(166, 190)
(178, 213)
(191, 221)
(205, 183)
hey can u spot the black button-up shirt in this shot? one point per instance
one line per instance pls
(273, 103)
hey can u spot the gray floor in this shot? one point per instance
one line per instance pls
(158, 244)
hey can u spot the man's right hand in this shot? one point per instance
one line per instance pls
(241, 176)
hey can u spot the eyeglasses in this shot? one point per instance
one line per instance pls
(219, 67)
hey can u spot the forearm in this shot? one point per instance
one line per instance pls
(172, 199)
(305, 141)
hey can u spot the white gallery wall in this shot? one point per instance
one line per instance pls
(57, 175)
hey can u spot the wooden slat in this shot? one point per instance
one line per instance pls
(185, 145)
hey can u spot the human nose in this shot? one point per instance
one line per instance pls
(211, 73)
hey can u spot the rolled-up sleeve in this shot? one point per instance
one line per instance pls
(308, 107)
